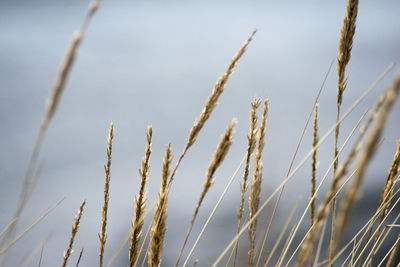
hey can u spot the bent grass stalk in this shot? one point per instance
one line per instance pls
(345, 47)
(218, 158)
(51, 106)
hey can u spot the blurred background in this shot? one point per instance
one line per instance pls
(156, 62)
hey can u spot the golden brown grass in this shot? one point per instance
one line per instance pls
(362, 248)
(159, 224)
(314, 172)
(345, 47)
(211, 103)
(107, 167)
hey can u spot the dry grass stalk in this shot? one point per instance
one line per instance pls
(159, 227)
(345, 46)
(75, 229)
(314, 172)
(102, 235)
(251, 145)
(140, 203)
(254, 199)
(218, 158)
(211, 103)
(79, 258)
(371, 145)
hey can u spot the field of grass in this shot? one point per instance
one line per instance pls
(318, 231)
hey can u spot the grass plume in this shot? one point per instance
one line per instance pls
(103, 235)
(159, 227)
(251, 145)
(74, 231)
(254, 199)
(314, 171)
(211, 103)
(345, 47)
(140, 203)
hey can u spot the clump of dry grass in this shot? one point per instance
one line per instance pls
(140, 203)
(323, 209)
(74, 231)
(102, 234)
(255, 190)
(371, 146)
